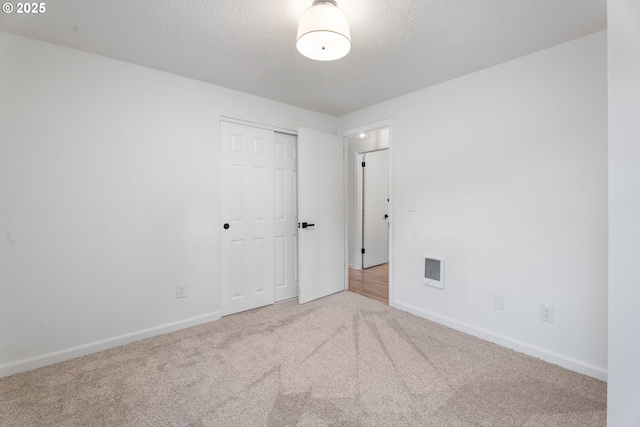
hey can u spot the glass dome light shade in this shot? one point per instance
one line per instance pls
(323, 32)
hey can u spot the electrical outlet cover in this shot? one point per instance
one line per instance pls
(181, 290)
(546, 313)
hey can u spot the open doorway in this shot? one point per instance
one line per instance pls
(368, 202)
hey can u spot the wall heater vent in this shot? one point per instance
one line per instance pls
(433, 272)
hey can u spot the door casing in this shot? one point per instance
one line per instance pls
(350, 133)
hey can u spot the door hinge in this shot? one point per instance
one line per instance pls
(362, 250)
(362, 164)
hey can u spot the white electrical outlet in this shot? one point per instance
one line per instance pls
(546, 313)
(181, 290)
(498, 301)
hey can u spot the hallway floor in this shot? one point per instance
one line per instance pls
(371, 282)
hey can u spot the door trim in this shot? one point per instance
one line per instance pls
(349, 133)
(258, 125)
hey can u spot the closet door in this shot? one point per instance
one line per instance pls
(248, 217)
(286, 215)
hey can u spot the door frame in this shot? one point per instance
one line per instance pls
(347, 134)
(243, 122)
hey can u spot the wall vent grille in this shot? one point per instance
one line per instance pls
(433, 273)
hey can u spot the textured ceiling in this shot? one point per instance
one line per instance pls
(399, 46)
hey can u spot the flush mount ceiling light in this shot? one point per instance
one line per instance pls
(323, 33)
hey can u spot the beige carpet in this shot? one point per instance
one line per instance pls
(345, 360)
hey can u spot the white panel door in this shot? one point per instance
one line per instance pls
(286, 216)
(321, 256)
(375, 222)
(247, 237)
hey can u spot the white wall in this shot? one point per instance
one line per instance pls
(109, 189)
(508, 170)
(624, 212)
(376, 140)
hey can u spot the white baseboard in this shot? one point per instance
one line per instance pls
(105, 344)
(529, 349)
(355, 267)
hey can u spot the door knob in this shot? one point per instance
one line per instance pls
(307, 225)
(386, 216)
(226, 226)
